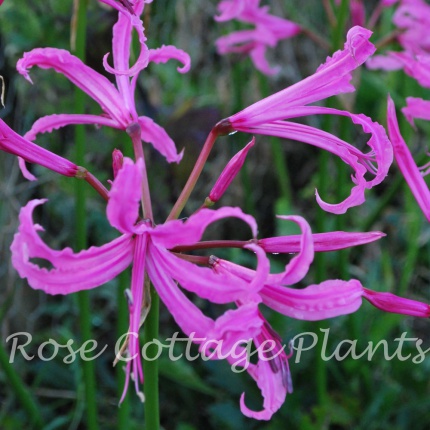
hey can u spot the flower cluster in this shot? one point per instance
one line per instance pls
(269, 29)
(162, 253)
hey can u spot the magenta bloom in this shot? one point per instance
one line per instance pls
(404, 159)
(15, 144)
(158, 252)
(269, 29)
(316, 302)
(412, 18)
(117, 103)
(269, 117)
(148, 248)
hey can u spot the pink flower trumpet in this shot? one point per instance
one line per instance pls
(406, 163)
(15, 144)
(117, 103)
(269, 117)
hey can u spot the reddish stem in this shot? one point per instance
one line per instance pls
(195, 174)
(213, 244)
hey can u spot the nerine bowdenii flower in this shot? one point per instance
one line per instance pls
(272, 116)
(117, 102)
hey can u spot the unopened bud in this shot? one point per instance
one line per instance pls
(117, 161)
(229, 173)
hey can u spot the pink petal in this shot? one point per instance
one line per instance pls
(142, 60)
(175, 233)
(72, 271)
(13, 143)
(330, 79)
(188, 316)
(315, 302)
(258, 57)
(377, 161)
(121, 42)
(234, 328)
(137, 288)
(416, 108)
(382, 62)
(49, 123)
(406, 162)
(207, 284)
(298, 267)
(170, 52)
(124, 197)
(313, 136)
(25, 172)
(230, 9)
(157, 136)
(88, 80)
(271, 373)
(323, 242)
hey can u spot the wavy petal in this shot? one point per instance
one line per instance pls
(188, 316)
(206, 283)
(315, 302)
(170, 52)
(298, 267)
(88, 80)
(330, 79)
(406, 162)
(416, 108)
(157, 136)
(124, 197)
(142, 60)
(319, 138)
(25, 172)
(49, 123)
(71, 271)
(271, 373)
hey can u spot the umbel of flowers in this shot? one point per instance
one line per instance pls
(160, 252)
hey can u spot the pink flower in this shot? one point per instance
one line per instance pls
(13, 143)
(148, 248)
(412, 18)
(328, 299)
(117, 103)
(403, 156)
(269, 29)
(268, 117)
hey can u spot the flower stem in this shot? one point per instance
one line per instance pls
(79, 41)
(194, 176)
(134, 132)
(150, 366)
(21, 392)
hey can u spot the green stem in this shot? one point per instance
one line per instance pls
(88, 367)
(342, 15)
(21, 392)
(150, 367)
